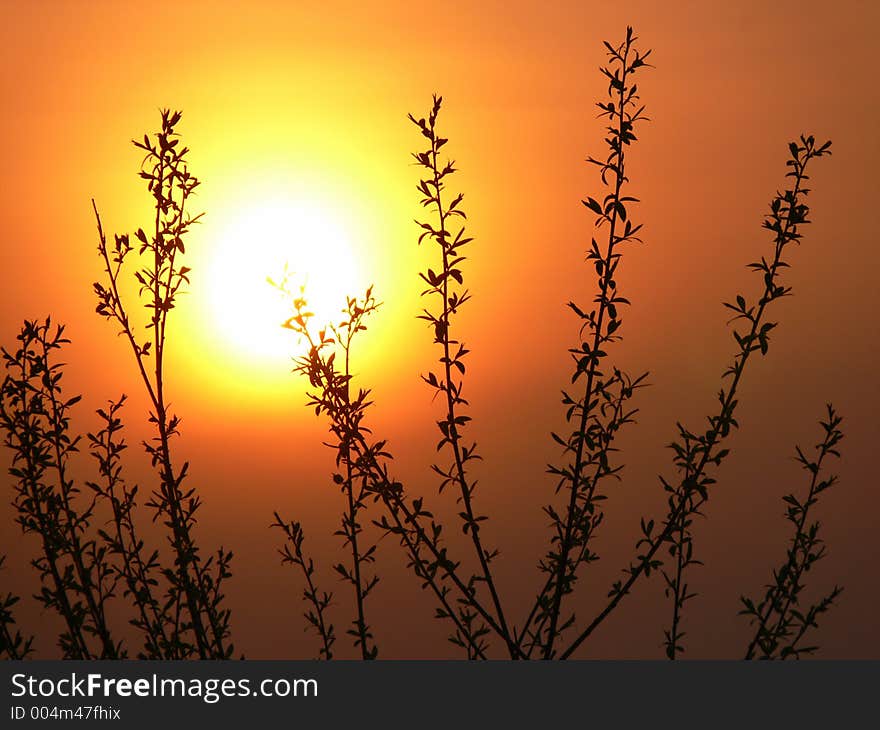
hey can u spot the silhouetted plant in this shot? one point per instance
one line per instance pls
(781, 623)
(695, 453)
(76, 581)
(138, 571)
(195, 594)
(82, 565)
(419, 534)
(598, 413)
(13, 645)
(446, 290)
(292, 553)
(354, 477)
(177, 600)
(602, 408)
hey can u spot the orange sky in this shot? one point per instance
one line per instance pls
(310, 104)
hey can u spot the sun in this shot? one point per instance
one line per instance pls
(308, 240)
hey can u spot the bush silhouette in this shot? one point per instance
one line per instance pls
(175, 592)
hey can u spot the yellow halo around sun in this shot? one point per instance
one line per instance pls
(259, 243)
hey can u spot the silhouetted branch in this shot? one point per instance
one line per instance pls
(292, 553)
(76, 581)
(12, 644)
(699, 451)
(589, 445)
(195, 582)
(139, 573)
(446, 286)
(345, 411)
(776, 614)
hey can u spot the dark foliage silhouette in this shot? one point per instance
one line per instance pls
(13, 645)
(469, 598)
(177, 599)
(201, 624)
(76, 580)
(92, 557)
(781, 623)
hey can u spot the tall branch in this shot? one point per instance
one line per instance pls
(446, 285)
(788, 211)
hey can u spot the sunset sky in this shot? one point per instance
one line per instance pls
(296, 117)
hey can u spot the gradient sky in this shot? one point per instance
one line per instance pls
(308, 106)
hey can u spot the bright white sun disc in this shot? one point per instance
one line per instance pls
(259, 244)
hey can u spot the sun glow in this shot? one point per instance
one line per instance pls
(260, 243)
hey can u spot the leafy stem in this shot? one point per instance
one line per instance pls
(442, 286)
(775, 615)
(573, 531)
(170, 184)
(788, 211)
